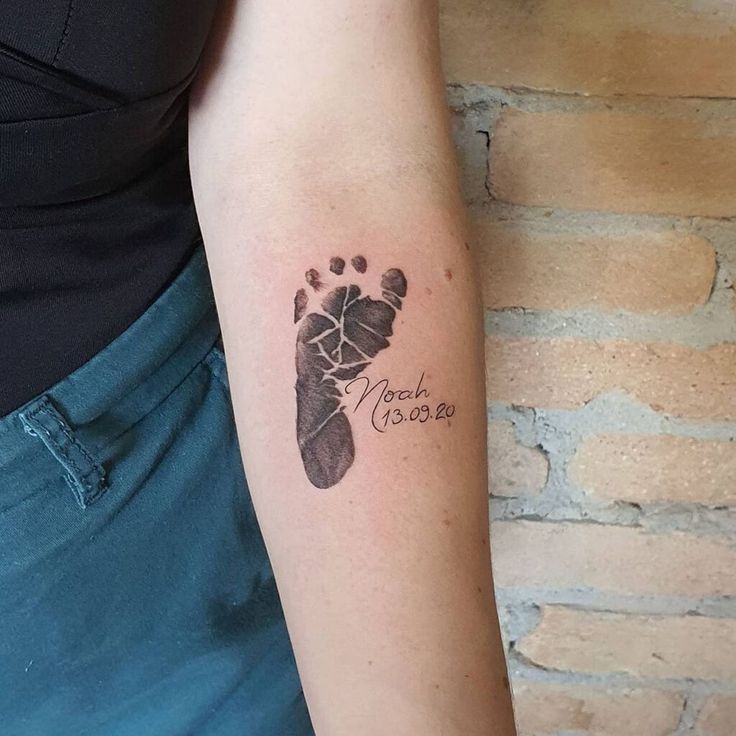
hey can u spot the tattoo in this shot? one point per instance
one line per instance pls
(359, 264)
(312, 278)
(300, 305)
(334, 344)
(395, 402)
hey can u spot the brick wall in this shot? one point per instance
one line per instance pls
(598, 143)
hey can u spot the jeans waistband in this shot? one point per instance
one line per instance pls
(118, 386)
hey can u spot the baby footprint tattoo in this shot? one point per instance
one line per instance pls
(334, 344)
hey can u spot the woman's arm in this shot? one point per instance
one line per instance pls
(319, 145)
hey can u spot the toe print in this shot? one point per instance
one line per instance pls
(359, 264)
(335, 343)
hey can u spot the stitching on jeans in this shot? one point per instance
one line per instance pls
(77, 492)
(83, 480)
(64, 33)
(82, 489)
(63, 449)
(72, 442)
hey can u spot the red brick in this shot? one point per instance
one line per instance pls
(656, 272)
(658, 47)
(651, 468)
(643, 646)
(615, 162)
(614, 559)
(566, 373)
(543, 709)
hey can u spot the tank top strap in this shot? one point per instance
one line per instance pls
(22, 68)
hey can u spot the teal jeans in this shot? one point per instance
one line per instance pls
(136, 596)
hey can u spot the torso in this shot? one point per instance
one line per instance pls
(96, 211)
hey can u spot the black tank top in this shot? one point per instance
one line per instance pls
(96, 210)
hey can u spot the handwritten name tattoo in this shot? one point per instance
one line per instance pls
(334, 344)
(393, 406)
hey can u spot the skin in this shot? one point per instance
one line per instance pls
(319, 131)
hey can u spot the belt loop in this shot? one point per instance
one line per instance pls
(85, 476)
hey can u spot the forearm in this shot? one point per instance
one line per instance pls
(362, 426)
(388, 597)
